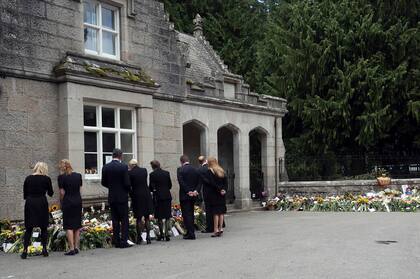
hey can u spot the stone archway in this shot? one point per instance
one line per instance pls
(257, 162)
(194, 140)
(227, 154)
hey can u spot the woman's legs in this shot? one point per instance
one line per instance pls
(76, 243)
(44, 241)
(167, 228)
(221, 218)
(70, 239)
(27, 239)
(139, 228)
(216, 223)
(147, 225)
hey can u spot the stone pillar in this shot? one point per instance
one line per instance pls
(241, 163)
(145, 136)
(280, 153)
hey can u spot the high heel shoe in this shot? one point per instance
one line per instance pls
(216, 234)
(167, 238)
(70, 253)
(24, 255)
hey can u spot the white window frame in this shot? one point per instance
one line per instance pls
(99, 28)
(99, 129)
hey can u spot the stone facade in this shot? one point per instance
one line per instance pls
(175, 85)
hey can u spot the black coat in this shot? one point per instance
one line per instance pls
(115, 178)
(203, 180)
(140, 195)
(189, 180)
(160, 184)
(213, 187)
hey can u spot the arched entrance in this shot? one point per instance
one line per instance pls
(227, 152)
(257, 162)
(194, 140)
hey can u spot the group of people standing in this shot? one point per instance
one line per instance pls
(148, 199)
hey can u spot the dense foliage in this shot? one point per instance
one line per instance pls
(350, 69)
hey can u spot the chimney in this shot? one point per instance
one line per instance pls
(198, 26)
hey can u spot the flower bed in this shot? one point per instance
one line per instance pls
(96, 231)
(386, 201)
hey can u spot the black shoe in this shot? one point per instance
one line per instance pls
(45, 253)
(167, 238)
(189, 237)
(70, 253)
(159, 238)
(24, 255)
(148, 241)
(123, 246)
(76, 251)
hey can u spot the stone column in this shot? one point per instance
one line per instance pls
(241, 162)
(145, 136)
(280, 153)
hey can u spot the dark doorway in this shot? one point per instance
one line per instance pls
(225, 154)
(193, 137)
(256, 164)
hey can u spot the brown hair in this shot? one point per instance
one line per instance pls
(65, 167)
(155, 164)
(215, 167)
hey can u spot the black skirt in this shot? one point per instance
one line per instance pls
(36, 212)
(218, 209)
(163, 209)
(72, 212)
(142, 206)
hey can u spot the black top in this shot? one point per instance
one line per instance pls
(188, 179)
(70, 183)
(214, 187)
(138, 181)
(115, 178)
(160, 184)
(37, 186)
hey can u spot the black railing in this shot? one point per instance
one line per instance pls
(331, 167)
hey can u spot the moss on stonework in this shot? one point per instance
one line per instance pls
(140, 76)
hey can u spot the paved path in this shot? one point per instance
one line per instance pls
(255, 245)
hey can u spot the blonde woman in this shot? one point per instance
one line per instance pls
(69, 183)
(35, 187)
(216, 186)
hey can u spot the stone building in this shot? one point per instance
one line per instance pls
(80, 77)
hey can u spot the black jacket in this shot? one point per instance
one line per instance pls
(115, 178)
(160, 184)
(213, 187)
(202, 170)
(189, 180)
(138, 181)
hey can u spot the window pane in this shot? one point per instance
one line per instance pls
(90, 142)
(91, 164)
(89, 12)
(108, 43)
(89, 116)
(107, 158)
(108, 142)
(108, 18)
(108, 117)
(127, 143)
(125, 119)
(127, 158)
(90, 38)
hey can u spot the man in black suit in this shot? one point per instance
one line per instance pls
(203, 177)
(115, 178)
(160, 185)
(188, 179)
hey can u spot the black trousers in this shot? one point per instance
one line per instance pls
(119, 215)
(187, 208)
(28, 235)
(209, 219)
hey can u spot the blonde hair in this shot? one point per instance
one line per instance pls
(133, 163)
(65, 167)
(41, 168)
(215, 167)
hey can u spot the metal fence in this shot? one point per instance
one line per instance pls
(332, 167)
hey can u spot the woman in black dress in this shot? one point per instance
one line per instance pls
(141, 199)
(35, 187)
(69, 183)
(160, 185)
(216, 187)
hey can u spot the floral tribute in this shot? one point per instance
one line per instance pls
(96, 231)
(388, 200)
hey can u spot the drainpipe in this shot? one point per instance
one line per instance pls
(276, 157)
